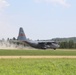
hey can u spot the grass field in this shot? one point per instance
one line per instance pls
(37, 66)
(61, 52)
(41, 66)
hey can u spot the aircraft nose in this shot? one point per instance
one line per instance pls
(57, 45)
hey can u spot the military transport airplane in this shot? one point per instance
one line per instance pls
(40, 44)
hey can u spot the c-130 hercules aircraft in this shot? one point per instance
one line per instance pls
(39, 44)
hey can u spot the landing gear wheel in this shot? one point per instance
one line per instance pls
(54, 48)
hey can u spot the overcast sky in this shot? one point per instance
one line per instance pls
(41, 19)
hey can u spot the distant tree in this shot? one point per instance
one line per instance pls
(71, 44)
(8, 39)
(64, 44)
(61, 45)
(74, 45)
(14, 38)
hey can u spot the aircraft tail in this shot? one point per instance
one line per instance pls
(21, 35)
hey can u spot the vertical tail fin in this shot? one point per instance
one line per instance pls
(21, 35)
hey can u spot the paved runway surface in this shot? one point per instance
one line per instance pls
(6, 57)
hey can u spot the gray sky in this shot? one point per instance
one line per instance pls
(41, 19)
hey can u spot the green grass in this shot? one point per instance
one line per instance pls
(63, 52)
(37, 66)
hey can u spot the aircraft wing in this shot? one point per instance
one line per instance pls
(45, 43)
(49, 42)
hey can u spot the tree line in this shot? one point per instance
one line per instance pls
(68, 44)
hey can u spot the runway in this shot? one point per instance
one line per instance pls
(14, 57)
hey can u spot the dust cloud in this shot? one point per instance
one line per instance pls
(8, 45)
